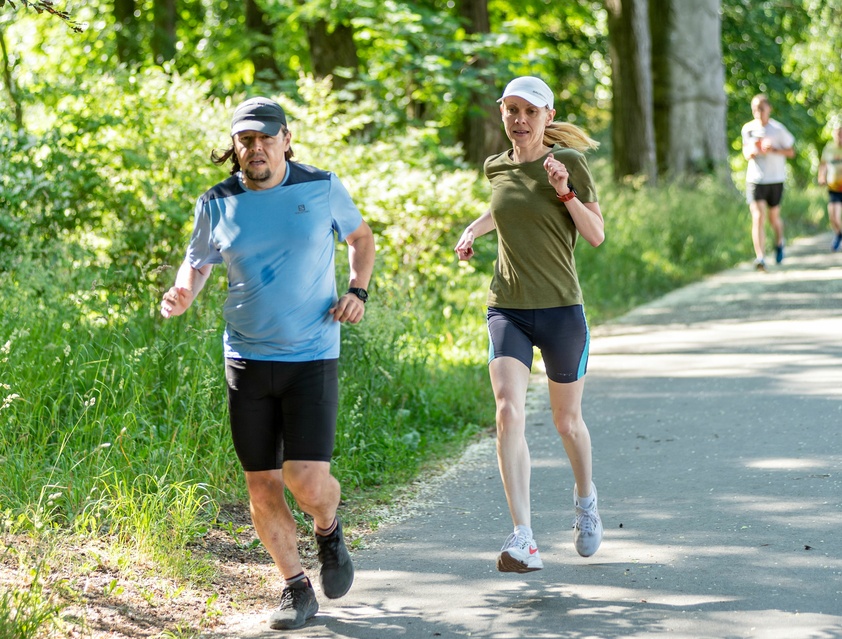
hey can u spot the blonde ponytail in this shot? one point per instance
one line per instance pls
(568, 135)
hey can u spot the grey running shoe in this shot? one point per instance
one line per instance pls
(298, 604)
(759, 265)
(519, 554)
(587, 528)
(337, 570)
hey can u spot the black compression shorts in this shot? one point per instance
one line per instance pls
(282, 411)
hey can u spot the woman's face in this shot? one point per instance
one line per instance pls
(524, 122)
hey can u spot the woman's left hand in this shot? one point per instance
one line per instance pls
(557, 175)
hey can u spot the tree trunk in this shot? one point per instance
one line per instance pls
(163, 34)
(9, 81)
(690, 102)
(480, 132)
(632, 112)
(332, 47)
(128, 31)
(261, 43)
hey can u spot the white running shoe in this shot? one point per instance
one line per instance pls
(519, 554)
(587, 527)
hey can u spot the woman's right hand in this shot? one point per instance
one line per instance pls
(464, 247)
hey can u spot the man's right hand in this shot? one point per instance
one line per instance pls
(176, 301)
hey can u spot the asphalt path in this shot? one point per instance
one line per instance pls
(715, 414)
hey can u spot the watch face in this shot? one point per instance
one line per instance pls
(359, 292)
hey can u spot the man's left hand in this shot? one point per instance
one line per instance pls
(348, 308)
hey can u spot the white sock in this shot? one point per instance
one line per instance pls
(524, 530)
(586, 502)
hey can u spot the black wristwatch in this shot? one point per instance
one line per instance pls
(360, 292)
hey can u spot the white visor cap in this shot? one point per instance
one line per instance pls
(533, 90)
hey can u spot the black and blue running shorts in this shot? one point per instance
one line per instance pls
(560, 333)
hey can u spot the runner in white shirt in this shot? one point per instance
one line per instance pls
(766, 145)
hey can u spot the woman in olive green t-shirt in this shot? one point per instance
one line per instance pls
(542, 199)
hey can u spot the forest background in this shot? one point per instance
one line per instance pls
(115, 458)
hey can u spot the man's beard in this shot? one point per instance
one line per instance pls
(258, 176)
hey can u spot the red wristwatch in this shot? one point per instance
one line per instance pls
(567, 196)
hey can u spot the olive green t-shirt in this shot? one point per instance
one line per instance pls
(536, 236)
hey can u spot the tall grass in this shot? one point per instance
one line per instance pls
(26, 610)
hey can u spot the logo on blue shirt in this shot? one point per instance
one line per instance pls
(302, 208)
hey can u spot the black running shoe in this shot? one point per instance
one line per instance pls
(337, 570)
(298, 604)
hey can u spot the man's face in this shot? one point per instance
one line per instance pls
(262, 157)
(760, 110)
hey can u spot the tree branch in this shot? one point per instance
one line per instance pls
(45, 6)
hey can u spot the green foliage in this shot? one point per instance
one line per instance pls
(658, 240)
(816, 62)
(43, 6)
(395, 418)
(25, 612)
(566, 44)
(766, 49)
(94, 385)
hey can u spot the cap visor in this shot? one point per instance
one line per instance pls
(269, 128)
(529, 97)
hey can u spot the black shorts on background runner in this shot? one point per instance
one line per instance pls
(772, 194)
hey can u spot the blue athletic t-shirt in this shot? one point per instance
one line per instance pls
(278, 245)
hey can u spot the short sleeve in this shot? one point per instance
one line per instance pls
(345, 214)
(201, 250)
(580, 177)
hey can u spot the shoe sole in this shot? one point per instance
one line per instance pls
(587, 552)
(507, 563)
(284, 625)
(337, 594)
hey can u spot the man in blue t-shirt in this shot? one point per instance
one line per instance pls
(274, 224)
